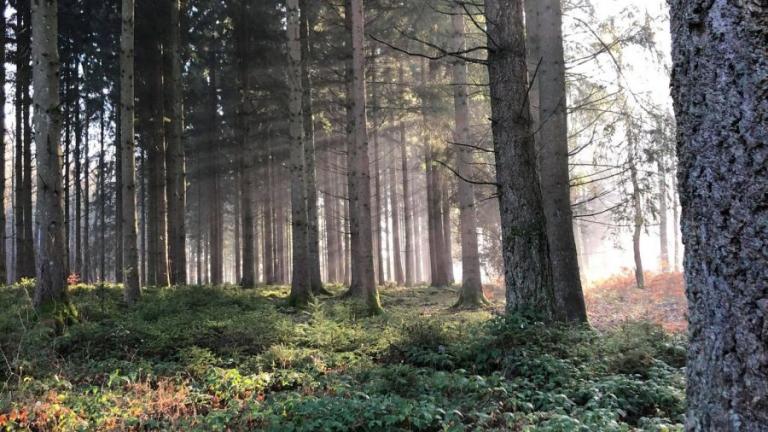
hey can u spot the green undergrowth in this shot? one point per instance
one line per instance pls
(228, 359)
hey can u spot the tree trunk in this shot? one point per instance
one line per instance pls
(51, 288)
(525, 251)
(447, 251)
(663, 216)
(378, 240)
(129, 267)
(394, 204)
(176, 194)
(410, 270)
(268, 231)
(363, 278)
(78, 185)
(301, 284)
(310, 174)
(3, 234)
(119, 235)
(102, 194)
(553, 163)
(215, 221)
(86, 276)
(719, 86)
(28, 246)
(637, 206)
(676, 224)
(471, 294)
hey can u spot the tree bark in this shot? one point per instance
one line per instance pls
(719, 87)
(176, 194)
(129, 267)
(394, 204)
(28, 246)
(637, 206)
(310, 170)
(528, 271)
(3, 233)
(51, 288)
(553, 163)
(301, 285)
(363, 278)
(663, 215)
(410, 262)
(471, 294)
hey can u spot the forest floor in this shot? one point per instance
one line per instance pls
(228, 359)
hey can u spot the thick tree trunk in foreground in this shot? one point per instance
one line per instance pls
(471, 285)
(722, 147)
(51, 289)
(363, 278)
(301, 288)
(130, 257)
(553, 163)
(528, 270)
(176, 193)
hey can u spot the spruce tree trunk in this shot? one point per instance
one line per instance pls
(663, 215)
(176, 195)
(447, 251)
(553, 163)
(301, 284)
(471, 285)
(129, 267)
(27, 256)
(3, 233)
(78, 155)
(51, 288)
(528, 271)
(310, 170)
(410, 262)
(102, 194)
(637, 206)
(720, 87)
(270, 278)
(363, 278)
(119, 236)
(248, 263)
(86, 276)
(394, 204)
(378, 239)
(215, 220)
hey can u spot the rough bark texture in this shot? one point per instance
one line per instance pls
(553, 163)
(471, 293)
(721, 102)
(528, 272)
(176, 193)
(130, 260)
(51, 289)
(310, 170)
(363, 279)
(301, 288)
